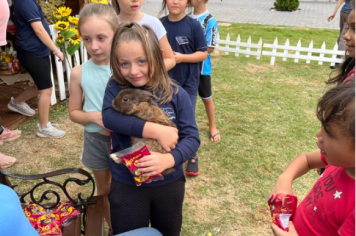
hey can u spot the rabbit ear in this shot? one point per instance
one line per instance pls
(145, 96)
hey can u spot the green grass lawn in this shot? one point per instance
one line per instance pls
(259, 137)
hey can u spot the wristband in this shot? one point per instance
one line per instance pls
(55, 53)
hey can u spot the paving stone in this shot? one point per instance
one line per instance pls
(312, 13)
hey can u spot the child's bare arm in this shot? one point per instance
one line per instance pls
(76, 114)
(196, 57)
(211, 49)
(298, 167)
(168, 56)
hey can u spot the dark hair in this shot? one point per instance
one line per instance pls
(161, 85)
(116, 6)
(336, 110)
(346, 67)
(164, 5)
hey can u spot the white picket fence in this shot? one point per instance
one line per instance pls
(245, 48)
(237, 47)
(80, 57)
(285, 51)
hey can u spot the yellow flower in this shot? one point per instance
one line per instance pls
(73, 20)
(57, 15)
(64, 11)
(210, 234)
(104, 2)
(60, 39)
(76, 38)
(62, 25)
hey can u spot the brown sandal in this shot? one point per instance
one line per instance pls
(6, 161)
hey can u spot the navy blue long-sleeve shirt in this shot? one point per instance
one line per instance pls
(179, 110)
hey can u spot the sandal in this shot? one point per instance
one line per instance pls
(212, 136)
(6, 161)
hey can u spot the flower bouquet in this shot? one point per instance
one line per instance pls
(68, 40)
(8, 62)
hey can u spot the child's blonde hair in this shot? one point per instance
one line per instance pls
(160, 83)
(101, 11)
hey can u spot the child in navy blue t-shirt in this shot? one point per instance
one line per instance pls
(187, 40)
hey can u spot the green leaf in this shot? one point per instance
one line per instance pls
(67, 34)
(61, 45)
(72, 48)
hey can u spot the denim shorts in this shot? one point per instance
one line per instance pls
(96, 155)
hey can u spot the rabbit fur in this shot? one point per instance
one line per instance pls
(139, 103)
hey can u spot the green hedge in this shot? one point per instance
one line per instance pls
(286, 5)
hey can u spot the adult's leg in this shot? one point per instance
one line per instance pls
(343, 29)
(103, 181)
(44, 103)
(27, 94)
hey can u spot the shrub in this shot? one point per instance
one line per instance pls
(286, 5)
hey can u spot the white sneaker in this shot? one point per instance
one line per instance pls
(49, 131)
(21, 108)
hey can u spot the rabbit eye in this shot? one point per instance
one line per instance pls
(125, 99)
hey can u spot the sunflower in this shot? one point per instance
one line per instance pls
(64, 11)
(60, 39)
(94, 1)
(75, 39)
(73, 20)
(62, 25)
(57, 15)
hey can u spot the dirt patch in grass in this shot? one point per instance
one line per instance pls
(257, 69)
(224, 24)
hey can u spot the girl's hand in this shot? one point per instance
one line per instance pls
(155, 163)
(278, 232)
(168, 137)
(179, 57)
(330, 18)
(96, 118)
(282, 186)
(60, 55)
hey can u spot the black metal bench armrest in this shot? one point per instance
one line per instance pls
(76, 201)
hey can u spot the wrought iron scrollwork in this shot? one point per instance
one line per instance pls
(50, 194)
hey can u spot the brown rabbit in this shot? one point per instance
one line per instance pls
(136, 102)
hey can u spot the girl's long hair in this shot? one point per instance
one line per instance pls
(159, 84)
(116, 6)
(103, 11)
(342, 73)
